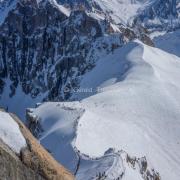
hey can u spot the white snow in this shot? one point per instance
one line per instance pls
(134, 106)
(61, 8)
(138, 110)
(96, 15)
(58, 122)
(10, 133)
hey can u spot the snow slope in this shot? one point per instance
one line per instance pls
(10, 133)
(58, 122)
(139, 114)
(133, 106)
(61, 8)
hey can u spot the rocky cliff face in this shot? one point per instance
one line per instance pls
(33, 162)
(45, 48)
(12, 167)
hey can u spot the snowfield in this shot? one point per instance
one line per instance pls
(139, 114)
(134, 107)
(10, 133)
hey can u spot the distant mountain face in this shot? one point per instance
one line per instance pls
(45, 46)
(160, 14)
(154, 14)
(149, 12)
(73, 3)
(162, 9)
(118, 10)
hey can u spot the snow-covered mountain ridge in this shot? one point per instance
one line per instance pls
(121, 120)
(137, 111)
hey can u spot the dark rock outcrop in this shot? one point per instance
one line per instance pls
(12, 168)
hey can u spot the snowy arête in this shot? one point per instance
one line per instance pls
(97, 83)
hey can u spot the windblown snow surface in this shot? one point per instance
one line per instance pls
(10, 133)
(132, 107)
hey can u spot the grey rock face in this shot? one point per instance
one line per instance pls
(44, 50)
(39, 46)
(33, 124)
(142, 165)
(11, 168)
